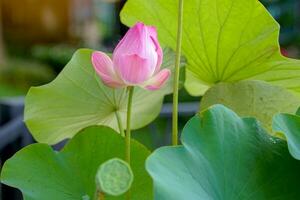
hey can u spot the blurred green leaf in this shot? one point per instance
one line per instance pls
(10, 91)
(57, 56)
(252, 99)
(17, 76)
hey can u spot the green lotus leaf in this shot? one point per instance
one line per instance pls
(77, 98)
(43, 174)
(252, 99)
(223, 41)
(289, 126)
(225, 157)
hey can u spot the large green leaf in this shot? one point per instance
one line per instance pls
(225, 157)
(252, 98)
(43, 174)
(77, 99)
(223, 40)
(289, 126)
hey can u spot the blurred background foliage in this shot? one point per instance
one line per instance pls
(37, 38)
(287, 14)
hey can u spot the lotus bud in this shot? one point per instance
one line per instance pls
(136, 61)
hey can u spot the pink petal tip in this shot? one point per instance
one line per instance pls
(157, 81)
(104, 68)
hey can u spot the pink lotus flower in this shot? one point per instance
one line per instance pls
(136, 61)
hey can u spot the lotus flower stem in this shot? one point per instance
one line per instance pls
(176, 76)
(128, 133)
(121, 129)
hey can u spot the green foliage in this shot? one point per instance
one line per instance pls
(225, 157)
(114, 177)
(252, 98)
(285, 13)
(77, 98)
(56, 56)
(41, 173)
(9, 91)
(223, 41)
(17, 76)
(289, 126)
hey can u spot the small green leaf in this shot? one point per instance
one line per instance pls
(223, 41)
(114, 177)
(225, 157)
(298, 112)
(77, 99)
(43, 174)
(289, 126)
(252, 99)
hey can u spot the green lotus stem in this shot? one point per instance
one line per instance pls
(176, 76)
(121, 129)
(119, 121)
(128, 133)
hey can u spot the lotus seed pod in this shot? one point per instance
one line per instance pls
(114, 177)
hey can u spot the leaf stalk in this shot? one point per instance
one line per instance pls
(176, 75)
